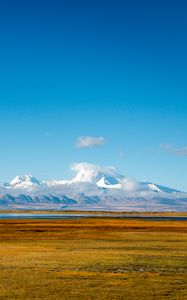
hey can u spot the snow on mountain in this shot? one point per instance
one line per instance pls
(103, 177)
(153, 187)
(25, 181)
(92, 188)
(106, 183)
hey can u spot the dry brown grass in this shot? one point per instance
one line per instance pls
(93, 259)
(132, 213)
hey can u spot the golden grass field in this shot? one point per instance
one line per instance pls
(93, 258)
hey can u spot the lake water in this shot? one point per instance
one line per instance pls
(17, 216)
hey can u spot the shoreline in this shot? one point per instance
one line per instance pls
(107, 213)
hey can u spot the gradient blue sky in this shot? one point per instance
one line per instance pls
(115, 69)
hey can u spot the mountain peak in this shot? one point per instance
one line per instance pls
(25, 181)
(102, 177)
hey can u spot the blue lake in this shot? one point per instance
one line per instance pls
(7, 216)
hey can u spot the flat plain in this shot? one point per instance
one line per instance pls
(93, 258)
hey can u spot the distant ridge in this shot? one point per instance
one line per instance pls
(92, 188)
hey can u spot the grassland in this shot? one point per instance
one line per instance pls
(93, 259)
(107, 213)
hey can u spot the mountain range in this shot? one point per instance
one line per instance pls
(92, 188)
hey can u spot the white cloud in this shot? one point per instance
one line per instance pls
(84, 166)
(181, 151)
(166, 147)
(130, 185)
(89, 141)
(121, 155)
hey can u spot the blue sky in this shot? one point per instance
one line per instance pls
(109, 69)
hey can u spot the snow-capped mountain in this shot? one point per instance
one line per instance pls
(25, 181)
(102, 177)
(92, 188)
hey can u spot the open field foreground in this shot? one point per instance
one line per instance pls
(93, 259)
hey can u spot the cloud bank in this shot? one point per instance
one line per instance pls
(181, 151)
(89, 141)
